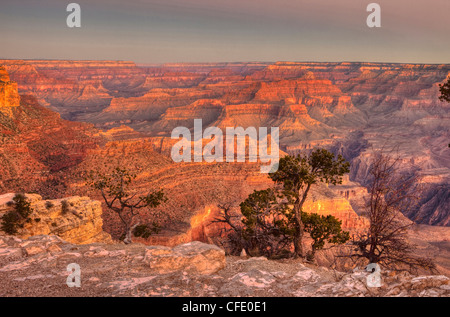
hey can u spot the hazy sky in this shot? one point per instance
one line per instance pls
(156, 31)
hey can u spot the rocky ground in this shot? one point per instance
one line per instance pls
(38, 267)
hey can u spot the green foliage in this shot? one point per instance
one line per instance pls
(296, 175)
(445, 91)
(296, 172)
(145, 231)
(267, 225)
(16, 218)
(323, 229)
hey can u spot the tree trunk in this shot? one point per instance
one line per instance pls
(129, 233)
(299, 226)
(298, 236)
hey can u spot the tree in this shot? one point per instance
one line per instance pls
(385, 241)
(126, 203)
(16, 218)
(296, 175)
(267, 223)
(323, 229)
(445, 91)
(233, 241)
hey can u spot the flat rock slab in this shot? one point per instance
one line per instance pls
(193, 257)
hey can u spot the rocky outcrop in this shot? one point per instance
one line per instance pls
(193, 270)
(9, 96)
(74, 219)
(195, 256)
(36, 145)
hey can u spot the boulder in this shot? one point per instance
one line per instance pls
(196, 257)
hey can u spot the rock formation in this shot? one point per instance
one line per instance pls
(38, 267)
(9, 97)
(75, 219)
(350, 108)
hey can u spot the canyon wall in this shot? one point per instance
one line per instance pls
(349, 108)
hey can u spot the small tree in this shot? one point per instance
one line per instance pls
(297, 175)
(323, 229)
(16, 218)
(126, 203)
(385, 241)
(267, 223)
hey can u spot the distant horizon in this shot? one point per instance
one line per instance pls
(219, 62)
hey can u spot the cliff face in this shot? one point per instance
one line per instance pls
(9, 97)
(75, 219)
(36, 145)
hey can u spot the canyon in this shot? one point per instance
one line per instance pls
(61, 119)
(350, 108)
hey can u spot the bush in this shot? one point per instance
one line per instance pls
(323, 229)
(16, 218)
(49, 204)
(64, 207)
(145, 231)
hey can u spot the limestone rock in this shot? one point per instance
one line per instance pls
(194, 257)
(74, 219)
(194, 269)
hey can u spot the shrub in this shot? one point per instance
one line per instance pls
(145, 231)
(323, 229)
(48, 204)
(64, 207)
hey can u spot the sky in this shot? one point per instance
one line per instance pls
(173, 31)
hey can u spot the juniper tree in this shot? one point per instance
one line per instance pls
(296, 175)
(267, 222)
(323, 229)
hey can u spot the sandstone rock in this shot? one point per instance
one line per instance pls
(9, 96)
(193, 257)
(78, 222)
(181, 274)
